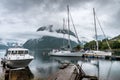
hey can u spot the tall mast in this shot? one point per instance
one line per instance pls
(68, 27)
(63, 30)
(95, 30)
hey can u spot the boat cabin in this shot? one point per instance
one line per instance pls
(14, 51)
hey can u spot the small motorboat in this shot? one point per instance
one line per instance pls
(17, 58)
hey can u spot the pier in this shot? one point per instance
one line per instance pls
(1, 72)
(102, 57)
(14, 74)
(71, 72)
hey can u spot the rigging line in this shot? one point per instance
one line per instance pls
(74, 28)
(103, 33)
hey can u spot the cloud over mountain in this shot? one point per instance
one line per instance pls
(18, 17)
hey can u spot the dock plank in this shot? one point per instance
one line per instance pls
(1, 71)
(68, 73)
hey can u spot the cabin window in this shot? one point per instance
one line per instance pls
(9, 52)
(12, 52)
(20, 52)
(26, 52)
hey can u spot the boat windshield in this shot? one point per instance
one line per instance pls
(18, 52)
(23, 52)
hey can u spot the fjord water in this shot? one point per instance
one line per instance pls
(43, 66)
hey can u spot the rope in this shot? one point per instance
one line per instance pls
(103, 33)
(74, 28)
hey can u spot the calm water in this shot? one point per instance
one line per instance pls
(43, 66)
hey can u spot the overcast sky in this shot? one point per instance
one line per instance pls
(19, 19)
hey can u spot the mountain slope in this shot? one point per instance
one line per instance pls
(2, 46)
(114, 43)
(117, 38)
(50, 38)
(47, 42)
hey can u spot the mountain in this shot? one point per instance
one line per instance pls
(117, 38)
(113, 42)
(2, 44)
(7, 43)
(47, 42)
(101, 37)
(51, 38)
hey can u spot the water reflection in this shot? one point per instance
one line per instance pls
(18, 74)
(43, 66)
(104, 69)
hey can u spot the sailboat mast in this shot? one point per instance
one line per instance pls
(68, 27)
(63, 30)
(95, 30)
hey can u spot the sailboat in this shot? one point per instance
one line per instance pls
(66, 52)
(97, 52)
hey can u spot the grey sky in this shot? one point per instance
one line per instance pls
(21, 18)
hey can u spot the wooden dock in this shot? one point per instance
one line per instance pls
(1, 72)
(71, 72)
(102, 57)
(22, 74)
(14, 74)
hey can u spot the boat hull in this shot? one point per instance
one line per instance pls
(18, 63)
(66, 54)
(98, 53)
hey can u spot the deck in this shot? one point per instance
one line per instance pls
(71, 72)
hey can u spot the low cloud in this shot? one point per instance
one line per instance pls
(21, 17)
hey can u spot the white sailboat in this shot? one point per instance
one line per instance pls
(17, 58)
(97, 52)
(66, 52)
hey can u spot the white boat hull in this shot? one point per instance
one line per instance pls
(66, 54)
(18, 63)
(98, 53)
